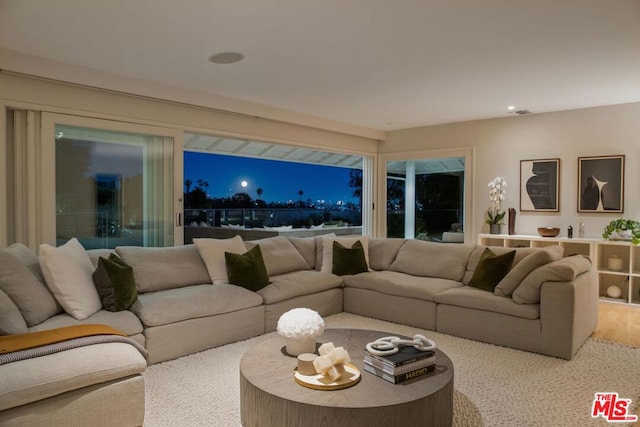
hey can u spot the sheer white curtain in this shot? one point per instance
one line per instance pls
(368, 218)
(158, 201)
(23, 177)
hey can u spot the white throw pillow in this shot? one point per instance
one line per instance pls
(347, 242)
(67, 270)
(212, 253)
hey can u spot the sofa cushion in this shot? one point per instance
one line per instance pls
(115, 283)
(29, 259)
(297, 283)
(280, 255)
(429, 259)
(124, 321)
(212, 253)
(68, 270)
(474, 258)
(175, 305)
(400, 284)
(306, 246)
(33, 380)
(491, 269)
(319, 245)
(11, 321)
(383, 251)
(156, 269)
(22, 281)
(562, 270)
(327, 249)
(348, 260)
(522, 269)
(95, 254)
(478, 299)
(247, 269)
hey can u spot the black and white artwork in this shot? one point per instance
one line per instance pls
(601, 184)
(540, 185)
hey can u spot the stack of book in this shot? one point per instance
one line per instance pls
(408, 363)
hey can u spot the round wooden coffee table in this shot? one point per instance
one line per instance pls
(269, 396)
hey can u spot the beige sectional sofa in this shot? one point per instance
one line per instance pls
(547, 303)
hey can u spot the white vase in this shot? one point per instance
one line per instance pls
(614, 291)
(297, 346)
(615, 263)
(623, 234)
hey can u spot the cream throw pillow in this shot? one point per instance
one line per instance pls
(68, 271)
(347, 242)
(212, 253)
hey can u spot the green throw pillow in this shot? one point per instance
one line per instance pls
(348, 260)
(491, 269)
(247, 270)
(115, 283)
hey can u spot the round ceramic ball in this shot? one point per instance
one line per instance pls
(614, 292)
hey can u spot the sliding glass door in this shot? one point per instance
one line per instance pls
(113, 183)
(426, 195)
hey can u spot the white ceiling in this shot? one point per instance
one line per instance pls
(371, 64)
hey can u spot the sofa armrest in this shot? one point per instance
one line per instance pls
(568, 313)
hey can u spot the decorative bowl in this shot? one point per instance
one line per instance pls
(548, 231)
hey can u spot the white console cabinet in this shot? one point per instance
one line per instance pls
(617, 262)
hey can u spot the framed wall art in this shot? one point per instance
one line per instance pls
(601, 184)
(540, 185)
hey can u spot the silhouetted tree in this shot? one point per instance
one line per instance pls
(198, 199)
(203, 184)
(355, 182)
(395, 193)
(241, 200)
(259, 191)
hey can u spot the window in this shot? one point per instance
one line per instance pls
(425, 197)
(107, 183)
(257, 184)
(113, 188)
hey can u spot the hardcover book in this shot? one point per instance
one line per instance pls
(396, 370)
(404, 356)
(400, 378)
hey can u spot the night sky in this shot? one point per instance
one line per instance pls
(280, 181)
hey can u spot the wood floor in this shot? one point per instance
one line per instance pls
(618, 323)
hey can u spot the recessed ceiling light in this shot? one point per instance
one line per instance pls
(226, 58)
(511, 107)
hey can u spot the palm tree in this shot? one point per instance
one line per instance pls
(187, 184)
(300, 193)
(259, 191)
(202, 184)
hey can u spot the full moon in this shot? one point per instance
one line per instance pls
(244, 183)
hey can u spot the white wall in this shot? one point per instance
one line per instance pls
(44, 95)
(500, 144)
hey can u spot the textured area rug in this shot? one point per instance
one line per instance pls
(494, 386)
